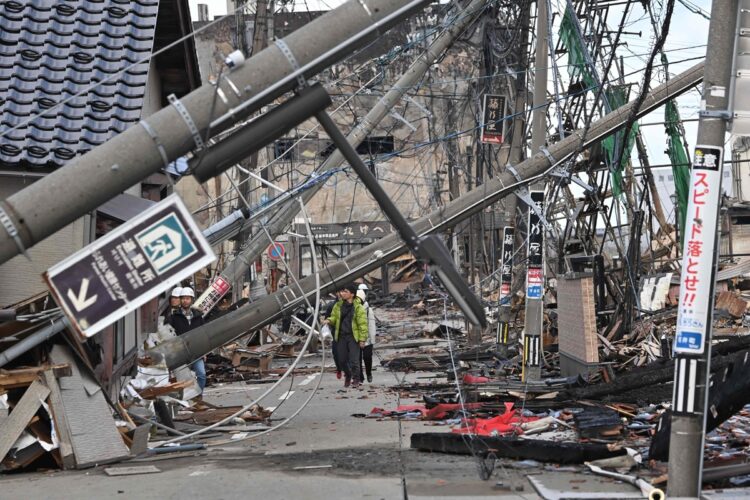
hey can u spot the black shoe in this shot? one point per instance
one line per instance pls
(369, 378)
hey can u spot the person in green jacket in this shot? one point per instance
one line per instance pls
(349, 320)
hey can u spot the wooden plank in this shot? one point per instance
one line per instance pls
(24, 457)
(61, 423)
(21, 415)
(140, 440)
(129, 471)
(10, 379)
(152, 392)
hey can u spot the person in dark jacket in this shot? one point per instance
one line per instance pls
(185, 319)
(349, 320)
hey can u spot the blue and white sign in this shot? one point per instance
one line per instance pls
(689, 341)
(129, 266)
(534, 283)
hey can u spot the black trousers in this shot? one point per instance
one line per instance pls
(367, 358)
(335, 351)
(348, 354)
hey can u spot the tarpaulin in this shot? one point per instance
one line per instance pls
(508, 422)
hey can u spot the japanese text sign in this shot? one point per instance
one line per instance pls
(694, 316)
(212, 295)
(129, 266)
(506, 262)
(535, 240)
(493, 113)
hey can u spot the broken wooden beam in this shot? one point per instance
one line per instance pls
(59, 419)
(22, 377)
(21, 415)
(514, 448)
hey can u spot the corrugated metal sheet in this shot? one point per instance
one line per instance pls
(94, 436)
(51, 50)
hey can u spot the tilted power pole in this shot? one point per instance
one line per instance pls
(535, 265)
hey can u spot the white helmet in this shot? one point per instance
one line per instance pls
(363, 286)
(187, 292)
(177, 291)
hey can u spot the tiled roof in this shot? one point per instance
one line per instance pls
(51, 50)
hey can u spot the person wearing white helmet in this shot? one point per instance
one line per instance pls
(186, 319)
(174, 303)
(366, 352)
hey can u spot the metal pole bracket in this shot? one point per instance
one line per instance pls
(523, 194)
(284, 48)
(185, 115)
(7, 223)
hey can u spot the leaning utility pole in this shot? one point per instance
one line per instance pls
(246, 185)
(236, 267)
(692, 346)
(534, 319)
(186, 348)
(515, 155)
(89, 181)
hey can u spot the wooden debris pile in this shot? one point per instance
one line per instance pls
(56, 415)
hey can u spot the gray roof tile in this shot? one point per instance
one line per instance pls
(51, 50)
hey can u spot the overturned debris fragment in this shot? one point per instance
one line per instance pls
(515, 448)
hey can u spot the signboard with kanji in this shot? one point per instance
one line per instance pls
(351, 231)
(535, 240)
(535, 248)
(212, 295)
(506, 262)
(493, 113)
(129, 266)
(694, 316)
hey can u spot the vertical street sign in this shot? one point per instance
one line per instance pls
(532, 334)
(694, 316)
(534, 248)
(506, 281)
(129, 266)
(493, 119)
(506, 263)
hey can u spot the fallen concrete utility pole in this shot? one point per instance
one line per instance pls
(238, 265)
(190, 346)
(98, 176)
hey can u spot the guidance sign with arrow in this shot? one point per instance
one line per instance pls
(129, 266)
